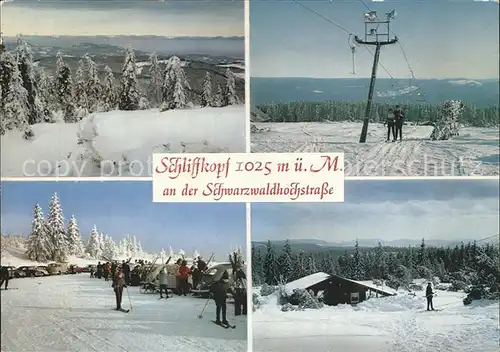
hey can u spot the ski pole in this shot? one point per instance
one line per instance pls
(129, 300)
(203, 310)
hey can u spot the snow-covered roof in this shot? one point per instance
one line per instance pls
(386, 290)
(305, 282)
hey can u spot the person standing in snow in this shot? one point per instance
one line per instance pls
(113, 269)
(118, 285)
(399, 116)
(92, 271)
(219, 292)
(163, 282)
(240, 293)
(391, 126)
(429, 294)
(126, 271)
(183, 278)
(4, 276)
(177, 277)
(107, 271)
(99, 270)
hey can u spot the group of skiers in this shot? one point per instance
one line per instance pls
(108, 270)
(182, 273)
(394, 122)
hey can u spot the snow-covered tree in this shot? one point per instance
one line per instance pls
(101, 244)
(55, 222)
(207, 98)
(94, 246)
(129, 89)
(196, 254)
(447, 126)
(80, 87)
(140, 251)
(218, 97)
(109, 251)
(170, 251)
(38, 244)
(108, 90)
(182, 253)
(286, 263)
(156, 80)
(93, 85)
(26, 68)
(46, 92)
(74, 239)
(63, 86)
(14, 102)
(271, 273)
(230, 96)
(175, 86)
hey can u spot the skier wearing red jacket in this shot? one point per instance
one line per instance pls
(183, 275)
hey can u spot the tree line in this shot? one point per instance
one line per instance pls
(421, 113)
(29, 95)
(461, 265)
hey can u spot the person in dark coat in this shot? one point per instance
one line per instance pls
(219, 292)
(99, 270)
(113, 269)
(126, 272)
(240, 293)
(399, 116)
(390, 122)
(118, 285)
(202, 266)
(429, 294)
(4, 276)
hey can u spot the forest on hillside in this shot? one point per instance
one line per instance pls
(419, 113)
(463, 265)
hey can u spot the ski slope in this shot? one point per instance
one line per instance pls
(474, 153)
(391, 324)
(74, 312)
(124, 140)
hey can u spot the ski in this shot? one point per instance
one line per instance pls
(225, 326)
(121, 310)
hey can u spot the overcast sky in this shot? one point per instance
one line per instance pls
(387, 210)
(207, 18)
(121, 208)
(441, 39)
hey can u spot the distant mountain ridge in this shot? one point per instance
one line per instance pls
(480, 92)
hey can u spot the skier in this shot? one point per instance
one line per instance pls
(99, 270)
(399, 116)
(4, 276)
(202, 266)
(107, 270)
(126, 271)
(240, 296)
(429, 294)
(183, 278)
(391, 126)
(113, 268)
(163, 282)
(219, 292)
(177, 277)
(91, 272)
(118, 285)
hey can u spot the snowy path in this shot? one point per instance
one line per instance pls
(393, 324)
(475, 152)
(52, 313)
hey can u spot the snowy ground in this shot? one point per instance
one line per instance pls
(125, 141)
(474, 152)
(54, 313)
(391, 324)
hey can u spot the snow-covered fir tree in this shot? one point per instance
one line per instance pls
(218, 97)
(46, 92)
(93, 85)
(64, 89)
(55, 222)
(170, 251)
(38, 244)
(130, 94)
(109, 95)
(176, 87)
(230, 96)
(14, 103)
(75, 244)
(80, 88)
(207, 98)
(26, 68)
(447, 126)
(182, 253)
(101, 244)
(140, 251)
(156, 80)
(94, 246)
(271, 272)
(109, 252)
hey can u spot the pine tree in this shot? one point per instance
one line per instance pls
(447, 126)
(300, 266)
(101, 244)
(63, 86)
(93, 246)
(286, 262)
(175, 86)
(156, 80)
(207, 98)
(39, 246)
(92, 85)
(80, 87)
(230, 96)
(46, 92)
(270, 265)
(55, 223)
(129, 90)
(108, 90)
(75, 244)
(357, 265)
(218, 97)
(26, 68)
(257, 267)
(14, 107)
(109, 251)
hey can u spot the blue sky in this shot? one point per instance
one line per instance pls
(121, 208)
(441, 38)
(208, 18)
(387, 210)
